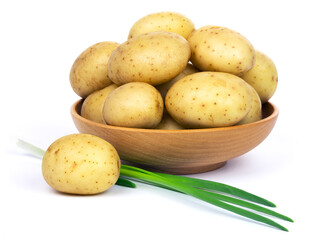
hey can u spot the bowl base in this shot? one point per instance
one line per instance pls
(177, 170)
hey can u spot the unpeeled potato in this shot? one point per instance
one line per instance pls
(255, 113)
(153, 58)
(164, 88)
(163, 21)
(168, 123)
(92, 107)
(221, 49)
(81, 164)
(135, 104)
(263, 76)
(89, 70)
(209, 99)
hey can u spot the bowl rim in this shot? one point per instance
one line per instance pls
(75, 114)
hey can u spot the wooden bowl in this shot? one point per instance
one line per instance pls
(180, 151)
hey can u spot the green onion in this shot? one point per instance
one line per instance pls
(162, 180)
(204, 190)
(219, 187)
(125, 183)
(226, 198)
(37, 152)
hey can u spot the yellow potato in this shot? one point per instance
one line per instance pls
(209, 99)
(81, 164)
(164, 87)
(220, 49)
(263, 76)
(163, 21)
(137, 105)
(168, 123)
(154, 58)
(92, 107)
(255, 113)
(89, 70)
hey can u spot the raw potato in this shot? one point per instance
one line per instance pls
(263, 76)
(89, 71)
(92, 107)
(220, 49)
(163, 21)
(154, 58)
(164, 88)
(81, 164)
(137, 105)
(209, 99)
(255, 113)
(168, 123)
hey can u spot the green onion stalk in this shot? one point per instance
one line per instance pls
(218, 194)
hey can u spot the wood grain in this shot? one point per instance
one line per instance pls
(181, 151)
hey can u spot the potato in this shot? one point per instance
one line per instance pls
(209, 99)
(164, 87)
(137, 105)
(163, 21)
(154, 58)
(81, 164)
(92, 107)
(89, 70)
(168, 123)
(263, 76)
(220, 49)
(255, 113)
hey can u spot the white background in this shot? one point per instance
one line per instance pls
(39, 42)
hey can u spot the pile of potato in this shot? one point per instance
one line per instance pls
(169, 75)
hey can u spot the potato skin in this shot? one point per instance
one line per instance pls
(255, 113)
(81, 164)
(92, 107)
(163, 21)
(164, 88)
(154, 58)
(263, 76)
(215, 48)
(168, 123)
(89, 70)
(136, 105)
(209, 99)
